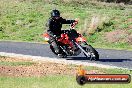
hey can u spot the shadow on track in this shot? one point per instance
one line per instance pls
(100, 60)
(77, 58)
(114, 60)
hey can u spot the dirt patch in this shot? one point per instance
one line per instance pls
(37, 69)
(129, 20)
(119, 36)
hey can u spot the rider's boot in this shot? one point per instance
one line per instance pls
(58, 53)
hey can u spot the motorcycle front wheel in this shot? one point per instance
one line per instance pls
(92, 53)
(63, 53)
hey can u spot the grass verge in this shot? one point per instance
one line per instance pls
(50, 80)
(24, 20)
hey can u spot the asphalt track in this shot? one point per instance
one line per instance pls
(119, 58)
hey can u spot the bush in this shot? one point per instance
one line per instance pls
(98, 24)
(117, 1)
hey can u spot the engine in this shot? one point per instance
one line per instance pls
(72, 50)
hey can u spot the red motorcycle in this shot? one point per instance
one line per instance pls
(71, 43)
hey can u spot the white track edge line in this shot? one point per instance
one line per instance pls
(63, 61)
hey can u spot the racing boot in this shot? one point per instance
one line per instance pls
(60, 55)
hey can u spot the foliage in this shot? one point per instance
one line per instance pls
(24, 20)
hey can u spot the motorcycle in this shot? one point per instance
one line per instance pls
(72, 43)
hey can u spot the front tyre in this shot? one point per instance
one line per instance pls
(63, 54)
(92, 52)
(52, 49)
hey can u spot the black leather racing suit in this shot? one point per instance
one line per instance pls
(54, 28)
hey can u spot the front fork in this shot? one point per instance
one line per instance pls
(86, 53)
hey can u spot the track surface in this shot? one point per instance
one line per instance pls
(117, 58)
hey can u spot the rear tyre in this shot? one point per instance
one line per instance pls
(93, 53)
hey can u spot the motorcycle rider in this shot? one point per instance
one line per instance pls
(54, 28)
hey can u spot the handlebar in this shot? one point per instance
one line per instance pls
(73, 24)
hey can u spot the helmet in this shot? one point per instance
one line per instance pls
(55, 13)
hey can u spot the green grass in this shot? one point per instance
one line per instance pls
(51, 82)
(6, 63)
(98, 40)
(109, 70)
(3, 62)
(24, 20)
